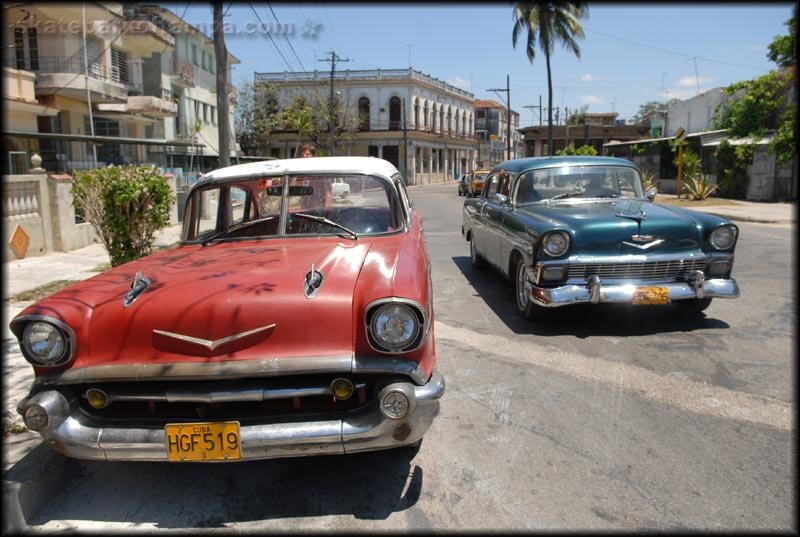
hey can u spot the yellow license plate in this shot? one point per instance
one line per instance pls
(203, 441)
(651, 295)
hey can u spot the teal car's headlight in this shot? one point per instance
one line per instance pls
(723, 238)
(555, 244)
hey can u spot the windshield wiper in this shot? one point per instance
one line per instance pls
(324, 220)
(240, 225)
(562, 196)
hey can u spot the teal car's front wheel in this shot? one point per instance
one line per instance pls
(527, 308)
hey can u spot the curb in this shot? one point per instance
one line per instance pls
(32, 483)
(738, 218)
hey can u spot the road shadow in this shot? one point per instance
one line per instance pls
(582, 320)
(368, 486)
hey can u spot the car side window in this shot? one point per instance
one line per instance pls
(491, 186)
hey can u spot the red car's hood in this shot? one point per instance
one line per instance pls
(219, 291)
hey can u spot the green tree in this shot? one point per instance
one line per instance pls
(126, 206)
(649, 107)
(579, 116)
(584, 150)
(758, 107)
(308, 115)
(548, 23)
(257, 116)
(781, 50)
(732, 162)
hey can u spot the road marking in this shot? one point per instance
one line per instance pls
(687, 394)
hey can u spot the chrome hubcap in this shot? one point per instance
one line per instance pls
(522, 298)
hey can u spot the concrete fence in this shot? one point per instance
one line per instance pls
(40, 204)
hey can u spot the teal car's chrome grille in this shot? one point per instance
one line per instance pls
(646, 270)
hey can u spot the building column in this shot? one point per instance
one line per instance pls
(430, 163)
(380, 151)
(412, 166)
(446, 163)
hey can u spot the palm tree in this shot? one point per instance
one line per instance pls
(549, 22)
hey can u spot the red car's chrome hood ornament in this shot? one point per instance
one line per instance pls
(211, 345)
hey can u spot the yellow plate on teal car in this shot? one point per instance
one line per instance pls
(203, 441)
(651, 295)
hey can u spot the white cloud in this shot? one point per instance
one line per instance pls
(587, 78)
(459, 82)
(591, 99)
(692, 81)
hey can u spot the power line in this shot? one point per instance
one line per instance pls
(287, 39)
(266, 30)
(672, 51)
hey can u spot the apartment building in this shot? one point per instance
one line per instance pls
(117, 100)
(491, 129)
(438, 129)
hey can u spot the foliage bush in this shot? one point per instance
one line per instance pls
(126, 206)
(732, 162)
(697, 187)
(584, 150)
(649, 180)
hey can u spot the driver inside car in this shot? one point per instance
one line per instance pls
(595, 188)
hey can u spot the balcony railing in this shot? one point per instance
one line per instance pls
(74, 65)
(366, 74)
(151, 90)
(182, 68)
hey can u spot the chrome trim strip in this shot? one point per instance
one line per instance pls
(575, 294)
(268, 367)
(211, 345)
(397, 300)
(410, 368)
(178, 395)
(364, 430)
(17, 327)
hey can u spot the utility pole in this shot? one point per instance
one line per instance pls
(405, 144)
(409, 54)
(332, 119)
(88, 93)
(221, 53)
(508, 115)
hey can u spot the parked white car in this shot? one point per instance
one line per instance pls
(339, 188)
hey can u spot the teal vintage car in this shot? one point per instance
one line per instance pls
(572, 230)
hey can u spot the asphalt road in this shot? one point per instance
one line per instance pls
(604, 418)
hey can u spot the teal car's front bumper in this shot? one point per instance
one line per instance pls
(596, 292)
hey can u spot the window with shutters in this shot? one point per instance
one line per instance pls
(119, 65)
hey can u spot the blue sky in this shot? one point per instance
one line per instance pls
(469, 45)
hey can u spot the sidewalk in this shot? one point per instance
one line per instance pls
(32, 272)
(748, 211)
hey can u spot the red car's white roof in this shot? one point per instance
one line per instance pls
(342, 165)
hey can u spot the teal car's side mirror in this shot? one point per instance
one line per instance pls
(650, 193)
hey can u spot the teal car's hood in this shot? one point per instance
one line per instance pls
(597, 227)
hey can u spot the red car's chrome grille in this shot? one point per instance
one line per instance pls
(646, 270)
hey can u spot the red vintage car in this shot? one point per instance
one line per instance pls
(287, 322)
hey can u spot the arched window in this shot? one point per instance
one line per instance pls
(394, 113)
(363, 114)
(449, 120)
(441, 118)
(416, 113)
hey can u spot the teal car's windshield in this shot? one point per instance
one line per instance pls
(579, 182)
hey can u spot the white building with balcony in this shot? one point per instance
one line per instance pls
(438, 130)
